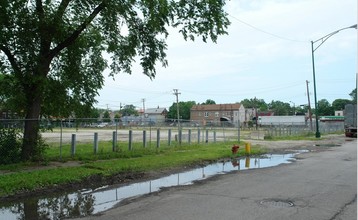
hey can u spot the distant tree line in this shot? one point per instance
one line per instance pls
(277, 107)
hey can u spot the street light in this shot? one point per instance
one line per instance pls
(322, 40)
(294, 108)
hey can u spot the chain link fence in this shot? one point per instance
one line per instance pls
(65, 134)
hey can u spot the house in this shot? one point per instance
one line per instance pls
(216, 114)
(339, 113)
(155, 115)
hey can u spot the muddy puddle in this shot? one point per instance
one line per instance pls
(91, 201)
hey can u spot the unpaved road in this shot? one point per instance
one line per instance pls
(321, 184)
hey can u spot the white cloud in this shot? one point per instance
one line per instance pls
(251, 60)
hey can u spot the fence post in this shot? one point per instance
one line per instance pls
(189, 136)
(238, 131)
(180, 136)
(206, 136)
(130, 140)
(61, 141)
(198, 135)
(95, 142)
(73, 145)
(114, 141)
(215, 137)
(158, 138)
(169, 137)
(144, 138)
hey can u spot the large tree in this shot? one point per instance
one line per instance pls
(339, 104)
(128, 110)
(325, 108)
(54, 49)
(209, 102)
(260, 104)
(184, 110)
(280, 108)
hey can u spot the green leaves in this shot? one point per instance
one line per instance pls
(55, 50)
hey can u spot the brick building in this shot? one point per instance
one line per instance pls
(218, 113)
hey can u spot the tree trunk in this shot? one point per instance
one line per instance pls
(31, 126)
(31, 209)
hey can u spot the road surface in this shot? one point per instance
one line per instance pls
(319, 185)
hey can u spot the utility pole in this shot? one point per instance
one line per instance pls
(176, 93)
(309, 105)
(143, 100)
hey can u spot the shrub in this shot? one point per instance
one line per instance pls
(10, 146)
(39, 151)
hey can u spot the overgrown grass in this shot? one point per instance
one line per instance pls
(107, 163)
(307, 136)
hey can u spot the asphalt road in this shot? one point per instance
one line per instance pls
(319, 185)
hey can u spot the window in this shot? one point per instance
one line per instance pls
(217, 114)
(206, 114)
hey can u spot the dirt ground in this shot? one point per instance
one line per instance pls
(128, 178)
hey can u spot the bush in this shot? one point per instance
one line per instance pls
(10, 146)
(39, 151)
(268, 137)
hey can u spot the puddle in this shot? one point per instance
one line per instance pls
(88, 202)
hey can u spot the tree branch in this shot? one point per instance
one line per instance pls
(11, 58)
(61, 10)
(71, 39)
(40, 10)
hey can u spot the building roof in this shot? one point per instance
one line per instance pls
(216, 107)
(155, 110)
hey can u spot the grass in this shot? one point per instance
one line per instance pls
(307, 136)
(106, 163)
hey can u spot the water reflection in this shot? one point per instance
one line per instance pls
(64, 206)
(90, 201)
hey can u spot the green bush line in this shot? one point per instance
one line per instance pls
(106, 163)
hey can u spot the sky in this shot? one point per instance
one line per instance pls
(266, 55)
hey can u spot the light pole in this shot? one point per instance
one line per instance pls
(321, 41)
(294, 108)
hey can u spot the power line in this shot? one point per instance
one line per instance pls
(266, 32)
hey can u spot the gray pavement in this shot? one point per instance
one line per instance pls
(319, 185)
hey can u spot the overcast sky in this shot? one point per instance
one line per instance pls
(267, 55)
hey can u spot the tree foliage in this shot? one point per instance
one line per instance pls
(353, 94)
(260, 104)
(106, 116)
(339, 104)
(280, 108)
(128, 110)
(184, 110)
(54, 50)
(324, 108)
(209, 102)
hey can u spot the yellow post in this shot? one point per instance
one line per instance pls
(247, 162)
(248, 148)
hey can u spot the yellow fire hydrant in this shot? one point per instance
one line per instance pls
(248, 148)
